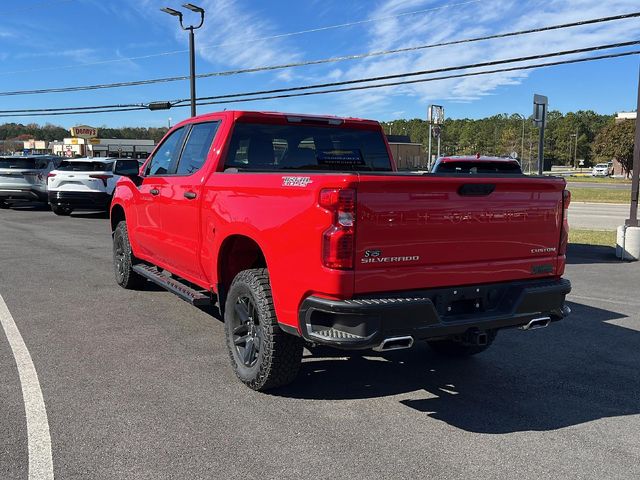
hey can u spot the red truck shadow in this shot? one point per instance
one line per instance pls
(578, 370)
(581, 254)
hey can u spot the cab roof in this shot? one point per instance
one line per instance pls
(280, 117)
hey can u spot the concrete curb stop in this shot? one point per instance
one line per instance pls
(628, 243)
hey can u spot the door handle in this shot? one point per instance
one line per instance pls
(154, 191)
(190, 195)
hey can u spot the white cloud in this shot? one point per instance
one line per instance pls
(229, 37)
(475, 19)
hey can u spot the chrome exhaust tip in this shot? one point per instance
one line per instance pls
(394, 343)
(535, 323)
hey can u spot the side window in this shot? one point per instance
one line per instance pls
(197, 147)
(167, 154)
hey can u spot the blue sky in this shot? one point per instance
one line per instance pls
(58, 43)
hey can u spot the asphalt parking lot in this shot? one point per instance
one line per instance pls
(137, 384)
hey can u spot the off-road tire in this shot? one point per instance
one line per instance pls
(279, 355)
(454, 348)
(62, 211)
(123, 260)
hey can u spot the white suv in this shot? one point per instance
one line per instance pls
(82, 184)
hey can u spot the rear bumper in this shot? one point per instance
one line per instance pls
(22, 194)
(365, 322)
(86, 200)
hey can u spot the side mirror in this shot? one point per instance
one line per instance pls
(128, 167)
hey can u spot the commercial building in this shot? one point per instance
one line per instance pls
(102, 147)
(408, 155)
(622, 116)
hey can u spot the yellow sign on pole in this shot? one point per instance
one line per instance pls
(84, 131)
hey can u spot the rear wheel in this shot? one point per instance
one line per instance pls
(3, 204)
(457, 348)
(60, 210)
(123, 259)
(262, 355)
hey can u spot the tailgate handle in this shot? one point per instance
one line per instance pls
(476, 189)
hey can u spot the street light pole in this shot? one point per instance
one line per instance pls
(192, 49)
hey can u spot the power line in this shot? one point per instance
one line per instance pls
(366, 87)
(321, 61)
(423, 80)
(426, 72)
(250, 40)
(232, 98)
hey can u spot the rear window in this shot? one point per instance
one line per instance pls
(300, 147)
(478, 167)
(85, 166)
(23, 163)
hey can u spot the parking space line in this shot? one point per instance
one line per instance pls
(38, 437)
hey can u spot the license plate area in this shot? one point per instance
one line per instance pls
(451, 303)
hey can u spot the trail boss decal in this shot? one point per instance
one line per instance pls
(374, 256)
(296, 181)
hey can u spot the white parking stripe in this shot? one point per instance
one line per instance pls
(38, 437)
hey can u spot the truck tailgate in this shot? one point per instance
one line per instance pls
(416, 232)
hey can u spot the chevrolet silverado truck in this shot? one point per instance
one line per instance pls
(302, 232)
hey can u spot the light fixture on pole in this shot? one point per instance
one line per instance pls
(192, 52)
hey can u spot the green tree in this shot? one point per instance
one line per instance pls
(616, 141)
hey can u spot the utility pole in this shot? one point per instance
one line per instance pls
(575, 151)
(540, 103)
(632, 221)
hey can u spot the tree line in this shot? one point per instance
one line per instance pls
(569, 138)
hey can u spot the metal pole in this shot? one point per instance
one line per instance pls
(522, 145)
(192, 65)
(632, 221)
(541, 141)
(575, 151)
(439, 145)
(429, 159)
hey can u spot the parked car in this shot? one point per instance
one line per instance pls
(82, 184)
(476, 164)
(601, 170)
(302, 231)
(24, 178)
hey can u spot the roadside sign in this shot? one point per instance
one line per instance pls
(540, 108)
(84, 131)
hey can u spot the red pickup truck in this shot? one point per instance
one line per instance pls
(303, 233)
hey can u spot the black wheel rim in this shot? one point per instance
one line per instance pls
(119, 256)
(247, 332)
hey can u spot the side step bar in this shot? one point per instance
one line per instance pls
(185, 292)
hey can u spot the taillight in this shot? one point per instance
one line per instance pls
(338, 239)
(564, 233)
(49, 175)
(104, 178)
